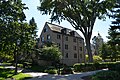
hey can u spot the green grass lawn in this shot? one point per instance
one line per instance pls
(8, 73)
(1, 67)
(21, 76)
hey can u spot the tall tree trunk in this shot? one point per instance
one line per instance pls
(88, 47)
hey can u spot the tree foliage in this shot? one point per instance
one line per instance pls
(30, 39)
(96, 59)
(107, 51)
(13, 28)
(81, 14)
(104, 51)
(114, 31)
(50, 53)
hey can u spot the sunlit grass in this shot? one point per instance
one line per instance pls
(1, 67)
(21, 76)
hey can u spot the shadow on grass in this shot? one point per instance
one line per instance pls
(6, 73)
(9, 75)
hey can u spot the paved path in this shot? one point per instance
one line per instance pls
(76, 76)
(11, 67)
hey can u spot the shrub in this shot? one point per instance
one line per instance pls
(103, 65)
(96, 59)
(82, 67)
(51, 71)
(89, 67)
(20, 65)
(67, 70)
(106, 75)
(37, 68)
(79, 67)
(111, 65)
(117, 68)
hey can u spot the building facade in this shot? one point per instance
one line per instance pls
(70, 43)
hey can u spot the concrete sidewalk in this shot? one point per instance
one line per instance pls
(46, 76)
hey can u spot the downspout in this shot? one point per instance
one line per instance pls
(78, 50)
(62, 48)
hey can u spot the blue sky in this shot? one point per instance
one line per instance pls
(100, 26)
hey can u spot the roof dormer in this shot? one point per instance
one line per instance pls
(72, 33)
(64, 31)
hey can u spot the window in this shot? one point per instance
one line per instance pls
(74, 39)
(48, 37)
(80, 55)
(80, 40)
(58, 36)
(45, 29)
(75, 55)
(66, 38)
(42, 39)
(74, 47)
(66, 46)
(58, 44)
(80, 48)
(66, 56)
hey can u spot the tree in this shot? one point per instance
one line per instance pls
(29, 40)
(104, 51)
(114, 31)
(81, 14)
(11, 14)
(32, 43)
(50, 53)
(14, 29)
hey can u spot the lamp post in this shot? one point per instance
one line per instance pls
(18, 43)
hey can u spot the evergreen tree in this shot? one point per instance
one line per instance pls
(105, 51)
(114, 31)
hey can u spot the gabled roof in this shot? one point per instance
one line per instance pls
(57, 28)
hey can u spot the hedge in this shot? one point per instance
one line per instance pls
(83, 67)
(106, 75)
